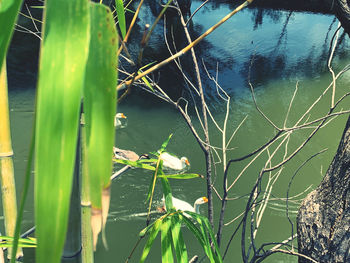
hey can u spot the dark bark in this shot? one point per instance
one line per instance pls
(342, 10)
(324, 216)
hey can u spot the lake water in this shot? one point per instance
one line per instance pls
(287, 47)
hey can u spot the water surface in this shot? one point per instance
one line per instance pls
(287, 48)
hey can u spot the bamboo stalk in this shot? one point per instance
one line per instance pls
(87, 255)
(7, 179)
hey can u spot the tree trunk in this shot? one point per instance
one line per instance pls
(342, 10)
(324, 216)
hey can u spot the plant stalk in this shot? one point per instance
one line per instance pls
(87, 255)
(8, 188)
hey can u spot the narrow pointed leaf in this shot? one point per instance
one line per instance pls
(200, 235)
(181, 176)
(217, 253)
(165, 144)
(63, 58)
(147, 229)
(166, 240)
(144, 79)
(178, 242)
(148, 161)
(8, 15)
(121, 16)
(149, 243)
(167, 194)
(22, 242)
(206, 230)
(148, 65)
(195, 231)
(136, 164)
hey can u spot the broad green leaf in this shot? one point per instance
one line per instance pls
(121, 16)
(149, 243)
(100, 100)
(137, 164)
(63, 58)
(8, 14)
(166, 240)
(100, 108)
(181, 176)
(178, 242)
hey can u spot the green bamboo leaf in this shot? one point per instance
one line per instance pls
(137, 164)
(181, 176)
(205, 230)
(8, 14)
(155, 153)
(166, 240)
(63, 58)
(22, 242)
(167, 193)
(217, 254)
(100, 99)
(178, 242)
(149, 243)
(144, 79)
(148, 65)
(121, 16)
(165, 144)
(197, 233)
(148, 161)
(146, 230)
(129, 10)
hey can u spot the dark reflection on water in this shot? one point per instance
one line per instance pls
(283, 44)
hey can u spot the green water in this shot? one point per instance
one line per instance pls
(288, 48)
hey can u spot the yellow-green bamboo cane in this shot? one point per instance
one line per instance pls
(8, 189)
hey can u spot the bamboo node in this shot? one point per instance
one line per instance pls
(85, 203)
(6, 154)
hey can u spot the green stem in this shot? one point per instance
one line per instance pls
(87, 255)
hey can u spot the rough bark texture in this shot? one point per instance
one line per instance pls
(342, 10)
(324, 216)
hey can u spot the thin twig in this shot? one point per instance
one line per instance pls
(188, 47)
